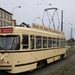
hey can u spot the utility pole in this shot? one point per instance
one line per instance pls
(71, 37)
(62, 20)
(71, 32)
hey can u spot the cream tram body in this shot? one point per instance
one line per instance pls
(30, 48)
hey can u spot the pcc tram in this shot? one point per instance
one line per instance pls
(24, 48)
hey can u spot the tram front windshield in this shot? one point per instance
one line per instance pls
(9, 42)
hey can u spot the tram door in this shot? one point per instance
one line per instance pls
(25, 41)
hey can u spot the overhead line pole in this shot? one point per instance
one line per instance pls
(62, 20)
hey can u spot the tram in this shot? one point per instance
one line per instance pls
(24, 48)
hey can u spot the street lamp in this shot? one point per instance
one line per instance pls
(71, 32)
(35, 19)
(15, 8)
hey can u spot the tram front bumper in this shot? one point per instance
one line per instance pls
(6, 67)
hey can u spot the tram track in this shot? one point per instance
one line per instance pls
(63, 70)
(67, 67)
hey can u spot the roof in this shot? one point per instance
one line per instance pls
(5, 11)
(44, 28)
(23, 29)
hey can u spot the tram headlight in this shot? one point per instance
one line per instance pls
(2, 58)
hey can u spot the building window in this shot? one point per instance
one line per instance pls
(44, 42)
(4, 23)
(0, 14)
(10, 18)
(4, 15)
(7, 24)
(7, 17)
(31, 41)
(25, 41)
(38, 42)
(0, 23)
(10, 24)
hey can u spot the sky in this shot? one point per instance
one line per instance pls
(32, 9)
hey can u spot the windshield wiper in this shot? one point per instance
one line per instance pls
(12, 43)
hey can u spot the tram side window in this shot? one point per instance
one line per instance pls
(60, 42)
(32, 41)
(38, 42)
(49, 42)
(54, 42)
(57, 42)
(44, 42)
(25, 41)
(63, 42)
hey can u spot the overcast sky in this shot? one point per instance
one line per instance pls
(31, 9)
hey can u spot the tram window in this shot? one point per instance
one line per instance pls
(49, 42)
(63, 42)
(38, 42)
(32, 41)
(57, 42)
(16, 42)
(44, 42)
(4, 23)
(12, 40)
(60, 42)
(25, 41)
(54, 42)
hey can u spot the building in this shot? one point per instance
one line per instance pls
(5, 18)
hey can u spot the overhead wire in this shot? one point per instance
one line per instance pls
(40, 11)
(50, 15)
(58, 13)
(48, 18)
(43, 18)
(53, 19)
(37, 3)
(50, 4)
(47, 3)
(28, 6)
(58, 20)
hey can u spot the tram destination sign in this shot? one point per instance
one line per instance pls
(6, 30)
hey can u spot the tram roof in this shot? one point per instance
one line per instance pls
(44, 30)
